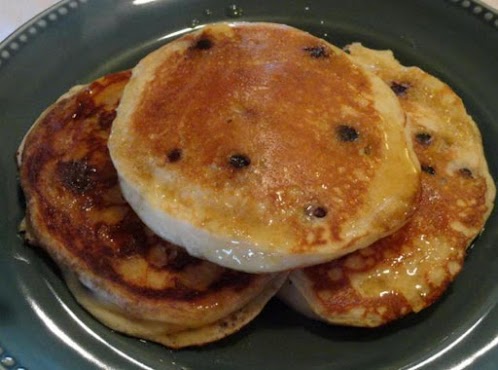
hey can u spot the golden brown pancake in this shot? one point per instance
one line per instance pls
(409, 270)
(126, 276)
(261, 148)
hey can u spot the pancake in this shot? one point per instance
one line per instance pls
(410, 269)
(262, 148)
(122, 273)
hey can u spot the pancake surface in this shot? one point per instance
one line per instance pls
(410, 269)
(116, 267)
(261, 148)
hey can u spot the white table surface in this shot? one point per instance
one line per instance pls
(13, 13)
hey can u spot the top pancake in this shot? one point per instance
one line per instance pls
(76, 212)
(410, 269)
(262, 148)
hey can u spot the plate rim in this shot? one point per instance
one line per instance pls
(13, 43)
(29, 31)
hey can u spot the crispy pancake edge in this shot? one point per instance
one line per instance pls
(173, 336)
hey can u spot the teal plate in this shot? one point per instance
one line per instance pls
(41, 326)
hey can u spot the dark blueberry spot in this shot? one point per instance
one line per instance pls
(317, 51)
(347, 133)
(316, 211)
(424, 138)
(428, 169)
(465, 172)
(76, 175)
(399, 88)
(174, 155)
(239, 161)
(320, 212)
(203, 44)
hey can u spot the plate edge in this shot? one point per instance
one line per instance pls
(11, 45)
(479, 9)
(7, 361)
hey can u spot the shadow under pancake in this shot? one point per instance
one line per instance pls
(6, 313)
(277, 316)
(21, 199)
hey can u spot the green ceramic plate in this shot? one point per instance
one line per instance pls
(41, 326)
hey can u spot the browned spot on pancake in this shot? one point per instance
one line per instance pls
(76, 175)
(34, 166)
(85, 106)
(106, 118)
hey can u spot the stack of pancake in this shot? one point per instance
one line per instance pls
(247, 160)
